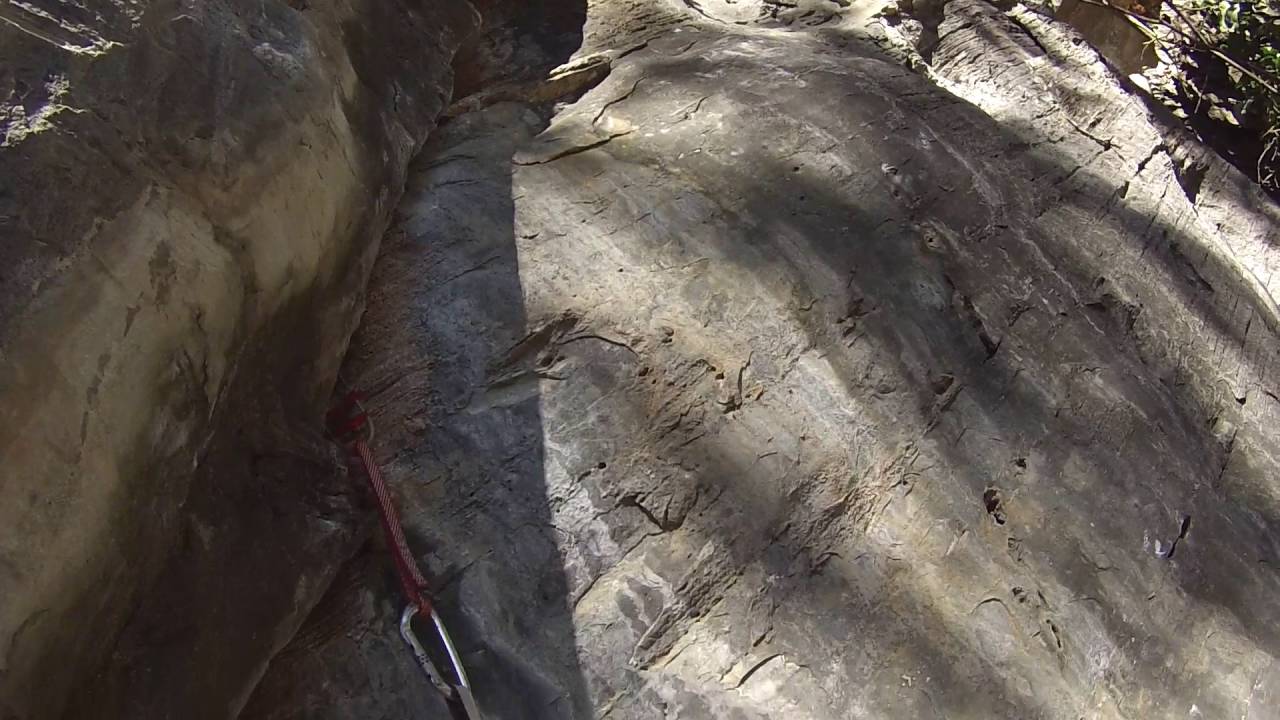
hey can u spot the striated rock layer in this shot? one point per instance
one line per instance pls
(769, 378)
(774, 379)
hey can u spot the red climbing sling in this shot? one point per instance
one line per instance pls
(350, 425)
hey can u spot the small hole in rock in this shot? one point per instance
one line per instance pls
(995, 506)
(942, 384)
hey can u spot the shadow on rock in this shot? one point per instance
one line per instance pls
(459, 429)
(1058, 425)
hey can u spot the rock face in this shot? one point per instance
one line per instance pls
(772, 379)
(1110, 32)
(768, 378)
(191, 199)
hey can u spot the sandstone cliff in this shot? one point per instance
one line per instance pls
(800, 359)
(191, 196)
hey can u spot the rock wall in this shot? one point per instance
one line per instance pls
(1111, 33)
(191, 199)
(773, 379)
(769, 378)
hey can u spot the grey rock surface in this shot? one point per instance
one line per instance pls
(773, 379)
(191, 198)
(769, 378)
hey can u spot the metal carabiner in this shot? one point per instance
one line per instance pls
(462, 690)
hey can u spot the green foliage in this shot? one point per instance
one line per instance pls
(1242, 38)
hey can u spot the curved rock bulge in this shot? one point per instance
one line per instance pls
(772, 380)
(192, 198)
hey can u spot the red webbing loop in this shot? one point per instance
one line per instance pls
(412, 580)
(346, 428)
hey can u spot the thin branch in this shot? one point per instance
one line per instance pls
(1194, 28)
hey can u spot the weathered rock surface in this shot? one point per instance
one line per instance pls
(1110, 33)
(768, 378)
(191, 195)
(772, 380)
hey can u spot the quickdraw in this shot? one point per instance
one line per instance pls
(350, 425)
